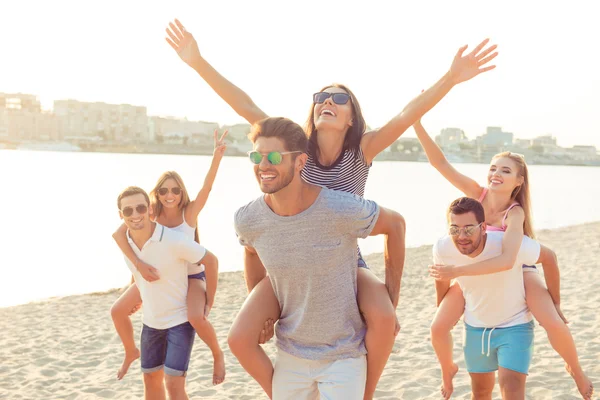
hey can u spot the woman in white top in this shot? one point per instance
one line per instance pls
(172, 207)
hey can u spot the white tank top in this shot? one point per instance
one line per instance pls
(189, 232)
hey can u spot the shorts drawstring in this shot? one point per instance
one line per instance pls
(483, 341)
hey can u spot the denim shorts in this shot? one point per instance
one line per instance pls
(529, 268)
(486, 349)
(199, 275)
(169, 348)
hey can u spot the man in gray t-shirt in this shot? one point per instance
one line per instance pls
(305, 236)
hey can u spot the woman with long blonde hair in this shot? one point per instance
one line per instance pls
(172, 207)
(507, 205)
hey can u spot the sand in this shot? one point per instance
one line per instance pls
(66, 348)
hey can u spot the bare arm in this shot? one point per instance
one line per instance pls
(193, 209)
(551, 272)
(211, 264)
(186, 47)
(437, 159)
(392, 225)
(511, 244)
(148, 272)
(254, 270)
(463, 68)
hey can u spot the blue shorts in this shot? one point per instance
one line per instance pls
(529, 268)
(362, 263)
(169, 348)
(199, 275)
(511, 348)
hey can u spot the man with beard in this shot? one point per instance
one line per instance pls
(498, 324)
(305, 237)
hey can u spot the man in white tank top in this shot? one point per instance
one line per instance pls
(498, 324)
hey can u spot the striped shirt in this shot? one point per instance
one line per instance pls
(348, 173)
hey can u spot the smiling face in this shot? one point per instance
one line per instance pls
(467, 244)
(504, 175)
(169, 199)
(332, 116)
(273, 178)
(135, 204)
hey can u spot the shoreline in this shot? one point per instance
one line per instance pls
(372, 257)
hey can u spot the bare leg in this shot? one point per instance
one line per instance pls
(120, 312)
(260, 305)
(196, 300)
(482, 385)
(154, 387)
(448, 313)
(176, 387)
(512, 384)
(378, 311)
(541, 306)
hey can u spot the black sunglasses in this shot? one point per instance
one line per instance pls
(140, 208)
(338, 98)
(175, 190)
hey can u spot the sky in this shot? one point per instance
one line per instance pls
(281, 52)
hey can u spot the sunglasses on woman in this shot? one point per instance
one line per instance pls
(140, 208)
(175, 190)
(274, 157)
(338, 98)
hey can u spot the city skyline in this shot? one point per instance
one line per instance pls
(387, 54)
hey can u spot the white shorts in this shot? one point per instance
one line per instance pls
(299, 379)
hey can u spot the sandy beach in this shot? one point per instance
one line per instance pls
(66, 348)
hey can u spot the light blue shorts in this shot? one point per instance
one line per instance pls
(511, 348)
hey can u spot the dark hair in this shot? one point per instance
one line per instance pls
(354, 133)
(288, 131)
(130, 191)
(466, 205)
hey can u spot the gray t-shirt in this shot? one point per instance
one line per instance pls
(311, 261)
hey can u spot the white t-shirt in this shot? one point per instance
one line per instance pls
(493, 300)
(165, 299)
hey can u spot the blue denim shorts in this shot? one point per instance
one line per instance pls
(199, 275)
(169, 348)
(511, 348)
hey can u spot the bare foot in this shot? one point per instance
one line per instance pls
(219, 369)
(584, 385)
(129, 358)
(447, 387)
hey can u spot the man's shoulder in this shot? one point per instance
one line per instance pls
(337, 200)
(168, 235)
(249, 214)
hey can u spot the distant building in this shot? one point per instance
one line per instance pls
(496, 137)
(544, 141)
(450, 138)
(123, 123)
(165, 128)
(22, 118)
(238, 132)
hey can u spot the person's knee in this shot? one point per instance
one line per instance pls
(381, 318)
(439, 328)
(482, 392)
(175, 385)
(153, 380)
(511, 384)
(238, 341)
(117, 311)
(197, 320)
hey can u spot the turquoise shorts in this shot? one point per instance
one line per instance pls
(486, 349)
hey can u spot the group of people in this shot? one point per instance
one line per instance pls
(334, 320)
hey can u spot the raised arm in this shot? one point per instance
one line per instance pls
(148, 272)
(463, 68)
(511, 244)
(254, 270)
(437, 159)
(193, 209)
(392, 225)
(186, 47)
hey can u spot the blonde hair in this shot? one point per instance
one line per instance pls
(157, 206)
(521, 194)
